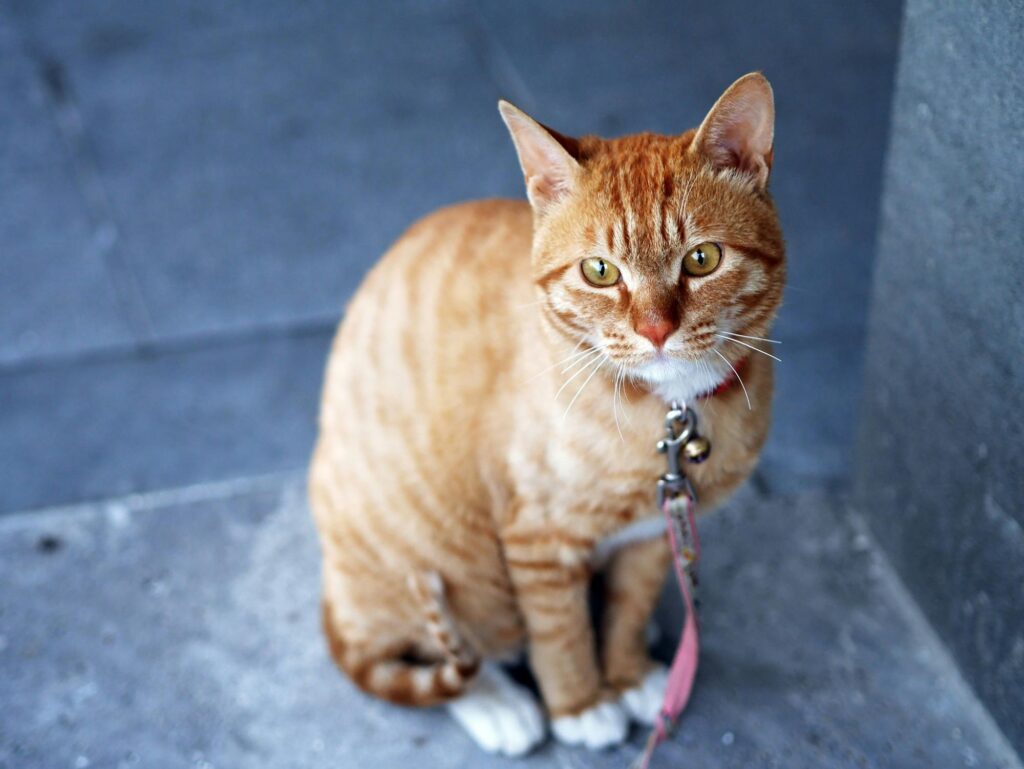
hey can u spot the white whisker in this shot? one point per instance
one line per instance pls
(747, 336)
(615, 401)
(623, 377)
(529, 304)
(709, 372)
(583, 368)
(583, 386)
(568, 358)
(738, 377)
(575, 352)
(691, 214)
(685, 197)
(750, 346)
(581, 358)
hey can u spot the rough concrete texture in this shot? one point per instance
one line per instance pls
(940, 468)
(181, 630)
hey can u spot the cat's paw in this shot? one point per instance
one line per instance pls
(601, 726)
(500, 716)
(644, 700)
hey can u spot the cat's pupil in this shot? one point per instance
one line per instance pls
(699, 256)
(601, 268)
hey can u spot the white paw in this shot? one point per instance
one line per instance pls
(601, 726)
(500, 715)
(644, 701)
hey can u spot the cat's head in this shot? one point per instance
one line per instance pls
(656, 248)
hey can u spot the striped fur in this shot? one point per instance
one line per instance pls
(458, 505)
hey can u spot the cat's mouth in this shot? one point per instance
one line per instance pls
(676, 376)
(670, 357)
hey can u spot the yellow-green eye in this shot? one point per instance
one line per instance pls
(598, 272)
(702, 260)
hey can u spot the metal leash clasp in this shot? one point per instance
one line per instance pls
(675, 493)
(680, 426)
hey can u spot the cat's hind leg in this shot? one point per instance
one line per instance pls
(385, 670)
(407, 669)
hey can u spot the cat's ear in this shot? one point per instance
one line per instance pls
(739, 130)
(548, 166)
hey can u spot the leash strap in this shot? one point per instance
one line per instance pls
(680, 521)
(678, 504)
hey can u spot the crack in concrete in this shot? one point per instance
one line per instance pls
(106, 244)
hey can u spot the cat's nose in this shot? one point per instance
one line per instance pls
(656, 329)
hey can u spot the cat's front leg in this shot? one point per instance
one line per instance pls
(634, 581)
(551, 583)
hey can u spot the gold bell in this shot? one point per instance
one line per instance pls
(697, 449)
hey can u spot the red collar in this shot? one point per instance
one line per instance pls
(729, 382)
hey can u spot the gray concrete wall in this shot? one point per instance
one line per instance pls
(940, 476)
(190, 192)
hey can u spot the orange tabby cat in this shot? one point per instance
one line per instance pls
(491, 406)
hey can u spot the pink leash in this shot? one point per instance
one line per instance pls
(678, 504)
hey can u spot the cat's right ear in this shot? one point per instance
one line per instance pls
(549, 169)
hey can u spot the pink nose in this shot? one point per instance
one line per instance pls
(657, 330)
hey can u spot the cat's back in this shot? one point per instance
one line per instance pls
(436, 295)
(459, 237)
(424, 344)
(429, 335)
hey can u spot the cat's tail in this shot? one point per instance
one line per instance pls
(396, 678)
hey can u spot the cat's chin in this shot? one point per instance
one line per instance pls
(677, 379)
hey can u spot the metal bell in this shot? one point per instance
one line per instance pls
(697, 449)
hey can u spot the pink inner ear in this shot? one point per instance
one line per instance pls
(547, 165)
(739, 131)
(740, 138)
(734, 150)
(545, 188)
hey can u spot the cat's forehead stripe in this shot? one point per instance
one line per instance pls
(642, 195)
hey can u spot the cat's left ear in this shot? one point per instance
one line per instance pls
(548, 166)
(739, 130)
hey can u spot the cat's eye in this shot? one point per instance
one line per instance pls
(600, 272)
(702, 260)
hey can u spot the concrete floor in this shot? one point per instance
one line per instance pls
(189, 193)
(181, 629)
